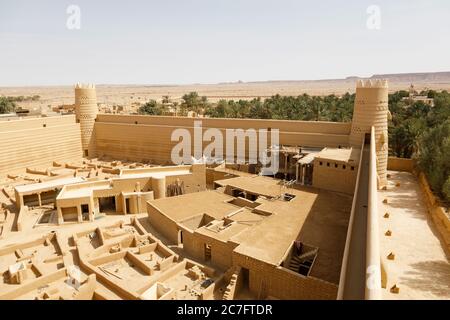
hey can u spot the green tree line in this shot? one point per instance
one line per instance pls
(6, 105)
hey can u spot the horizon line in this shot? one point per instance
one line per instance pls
(347, 78)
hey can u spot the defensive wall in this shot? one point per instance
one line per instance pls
(38, 142)
(144, 137)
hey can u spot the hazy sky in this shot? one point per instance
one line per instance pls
(210, 41)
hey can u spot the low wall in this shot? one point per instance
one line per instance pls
(269, 280)
(440, 216)
(400, 164)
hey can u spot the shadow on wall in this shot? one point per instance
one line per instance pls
(419, 278)
(325, 227)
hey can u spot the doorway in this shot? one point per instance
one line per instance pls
(85, 212)
(127, 205)
(107, 204)
(245, 274)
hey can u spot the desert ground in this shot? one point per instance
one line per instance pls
(129, 95)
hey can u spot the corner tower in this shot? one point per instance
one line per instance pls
(371, 109)
(86, 111)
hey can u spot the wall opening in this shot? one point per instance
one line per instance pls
(70, 214)
(127, 205)
(31, 200)
(107, 204)
(252, 197)
(207, 248)
(85, 212)
(245, 274)
(238, 193)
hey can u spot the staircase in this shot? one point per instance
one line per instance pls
(230, 291)
(302, 263)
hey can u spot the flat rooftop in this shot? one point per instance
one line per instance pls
(260, 185)
(188, 205)
(340, 154)
(153, 174)
(315, 217)
(83, 189)
(50, 184)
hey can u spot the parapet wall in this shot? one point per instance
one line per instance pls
(149, 137)
(400, 164)
(38, 142)
(439, 214)
(284, 125)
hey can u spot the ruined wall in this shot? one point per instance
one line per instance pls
(141, 138)
(38, 142)
(268, 280)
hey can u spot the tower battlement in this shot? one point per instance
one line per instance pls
(85, 86)
(371, 109)
(375, 83)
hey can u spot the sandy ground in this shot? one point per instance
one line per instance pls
(421, 268)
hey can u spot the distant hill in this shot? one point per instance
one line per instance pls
(420, 77)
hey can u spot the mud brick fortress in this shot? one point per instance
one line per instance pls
(92, 207)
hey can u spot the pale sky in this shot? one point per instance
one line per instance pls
(211, 41)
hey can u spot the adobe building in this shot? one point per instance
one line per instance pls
(128, 193)
(103, 188)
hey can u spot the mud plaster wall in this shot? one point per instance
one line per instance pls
(38, 142)
(150, 137)
(268, 280)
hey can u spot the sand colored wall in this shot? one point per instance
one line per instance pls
(284, 125)
(38, 142)
(86, 110)
(149, 137)
(163, 224)
(371, 109)
(221, 252)
(334, 179)
(440, 216)
(400, 164)
(138, 189)
(269, 280)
